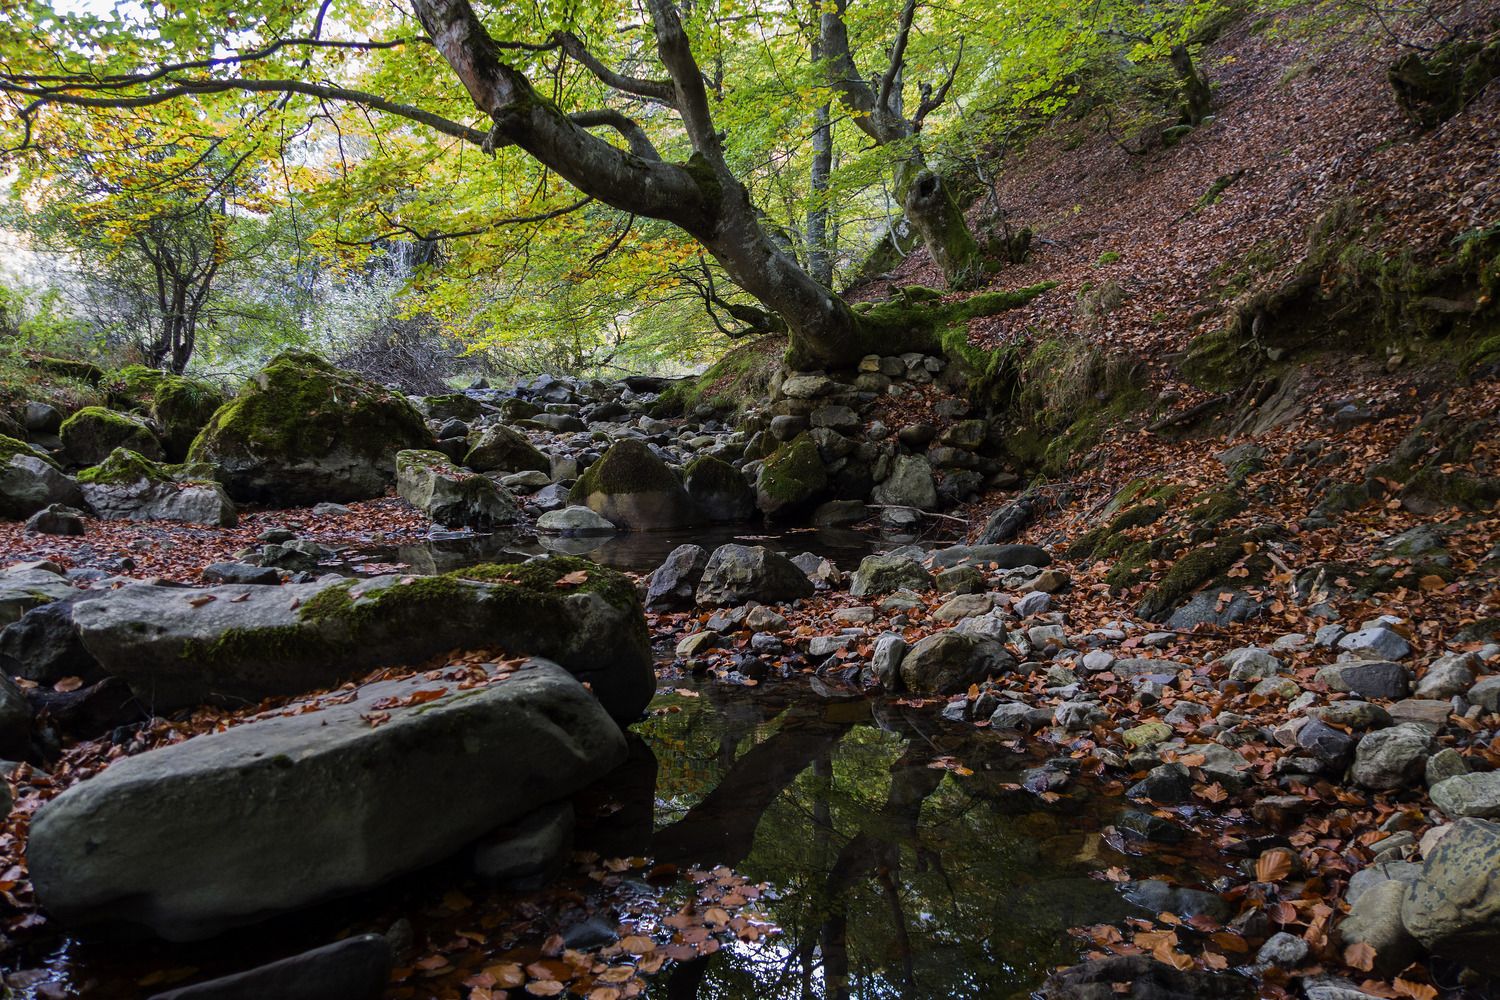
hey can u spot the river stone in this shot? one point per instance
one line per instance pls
(1142, 977)
(1474, 795)
(249, 643)
(30, 482)
(24, 586)
(909, 484)
(948, 662)
(1448, 676)
(356, 968)
(1367, 678)
(1453, 908)
(1391, 758)
(719, 490)
(885, 574)
(498, 448)
(675, 580)
(56, 519)
(1157, 896)
(291, 809)
(735, 574)
(301, 431)
(573, 522)
(524, 853)
(885, 661)
(633, 488)
(452, 497)
(44, 646)
(1486, 693)
(1250, 663)
(1376, 641)
(1357, 715)
(1000, 556)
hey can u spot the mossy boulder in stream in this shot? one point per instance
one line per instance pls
(452, 497)
(89, 435)
(633, 488)
(792, 479)
(302, 431)
(498, 448)
(719, 490)
(248, 643)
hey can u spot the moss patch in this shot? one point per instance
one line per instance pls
(125, 466)
(793, 474)
(1190, 572)
(11, 447)
(738, 379)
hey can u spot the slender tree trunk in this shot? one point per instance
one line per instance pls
(930, 206)
(819, 255)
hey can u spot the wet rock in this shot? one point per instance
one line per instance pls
(1453, 908)
(1284, 949)
(158, 838)
(885, 661)
(1142, 977)
(963, 606)
(1156, 896)
(948, 662)
(719, 490)
(838, 513)
(735, 574)
(574, 522)
(1332, 747)
(1356, 715)
(960, 580)
(1165, 783)
(674, 581)
(452, 497)
(355, 968)
(1486, 693)
(1469, 795)
(235, 644)
(524, 853)
(1391, 758)
(883, 574)
(1148, 826)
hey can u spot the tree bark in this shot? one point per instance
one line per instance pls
(819, 253)
(1197, 97)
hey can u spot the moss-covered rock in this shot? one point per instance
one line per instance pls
(736, 380)
(719, 490)
(30, 480)
(498, 448)
(179, 406)
(303, 431)
(303, 637)
(452, 497)
(792, 478)
(128, 486)
(452, 406)
(1191, 571)
(633, 488)
(89, 435)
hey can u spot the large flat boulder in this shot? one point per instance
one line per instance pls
(127, 486)
(296, 807)
(239, 644)
(302, 431)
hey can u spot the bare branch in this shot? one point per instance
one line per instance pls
(517, 220)
(931, 102)
(656, 90)
(898, 55)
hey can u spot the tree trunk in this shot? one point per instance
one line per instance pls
(1197, 98)
(931, 207)
(819, 253)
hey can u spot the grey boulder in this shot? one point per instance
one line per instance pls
(29, 483)
(948, 662)
(290, 809)
(452, 497)
(673, 582)
(735, 574)
(1453, 908)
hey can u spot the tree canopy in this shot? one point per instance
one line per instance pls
(642, 171)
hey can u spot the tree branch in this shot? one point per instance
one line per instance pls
(687, 81)
(656, 90)
(898, 56)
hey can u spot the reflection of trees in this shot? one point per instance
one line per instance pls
(894, 881)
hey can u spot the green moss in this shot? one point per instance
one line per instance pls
(1131, 565)
(794, 473)
(1190, 572)
(300, 406)
(1213, 507)
(1108, 257)
(629, 466)
(737, 380)
(713, 475)
(83, 371)
(10, 447)
(1483, 354)
(125, 466)
(1459, 489)
(94, 429)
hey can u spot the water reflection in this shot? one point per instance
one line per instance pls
(896, 878)
(636, 551)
